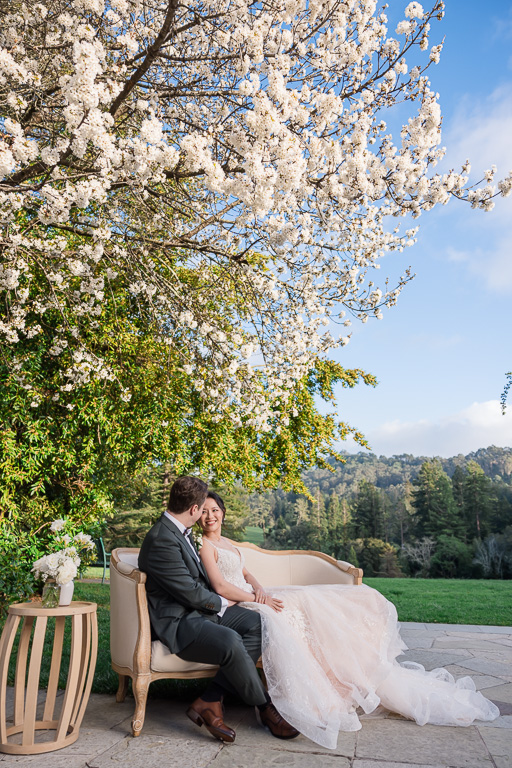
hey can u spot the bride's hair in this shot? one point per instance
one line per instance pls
(218, 500)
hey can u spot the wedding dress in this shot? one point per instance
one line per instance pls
(333, 650)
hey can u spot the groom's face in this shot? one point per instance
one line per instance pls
(196, 512)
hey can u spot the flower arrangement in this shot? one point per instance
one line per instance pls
(62, 565)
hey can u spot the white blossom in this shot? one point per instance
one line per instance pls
(251, 158)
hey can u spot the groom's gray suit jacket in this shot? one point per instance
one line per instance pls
(180, 596)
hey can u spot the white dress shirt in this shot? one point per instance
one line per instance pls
(183, 529)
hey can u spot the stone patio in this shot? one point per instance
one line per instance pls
(170, 740)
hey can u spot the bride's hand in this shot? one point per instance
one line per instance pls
(274, 603)
(260, 596)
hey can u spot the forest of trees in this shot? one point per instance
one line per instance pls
(402, 515)
(398, 516)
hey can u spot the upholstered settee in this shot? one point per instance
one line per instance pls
(135, 656)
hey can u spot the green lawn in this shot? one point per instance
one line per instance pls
(449, 601)
(254, 534)
(96, 572)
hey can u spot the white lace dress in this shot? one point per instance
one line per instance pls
(333, 650)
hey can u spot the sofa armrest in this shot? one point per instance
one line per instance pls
(130, 630)
(356, 573)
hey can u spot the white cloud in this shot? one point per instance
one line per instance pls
(494, 263)
(480, 131)
(477, 426)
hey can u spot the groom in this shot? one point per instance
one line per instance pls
(196, 623)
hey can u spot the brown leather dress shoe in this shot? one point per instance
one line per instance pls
(209, 713)
(277, 725)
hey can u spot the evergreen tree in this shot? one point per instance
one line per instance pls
(436, 513)
(458, 481)
(401, 515)
(301, 510)
(139, 501)
(339, 526)
(478, 501)
(368, 512)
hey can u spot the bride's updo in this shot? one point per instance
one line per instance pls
(217, 499)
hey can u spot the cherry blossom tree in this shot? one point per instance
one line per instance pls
(230, 164)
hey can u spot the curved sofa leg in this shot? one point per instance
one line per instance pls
(140, 687)
(123, 688)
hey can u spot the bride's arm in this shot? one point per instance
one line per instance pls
(260, 594)
(218, 582)
(259, 591)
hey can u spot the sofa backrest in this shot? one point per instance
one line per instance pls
(296, 567)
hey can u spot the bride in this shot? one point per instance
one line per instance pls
(330, 650)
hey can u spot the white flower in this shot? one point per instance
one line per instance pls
(57, 525)
(414, 11)
(58, 565)
(198, 537)
(84, 540)
(67, 572)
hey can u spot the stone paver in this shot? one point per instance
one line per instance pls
(480, 681)
(386, 740)
(499, 693)
(487, 667)
(380, 764)
(418, 641)
(503, 762)
(432, 659)
(395, 740)
(501, 722)
(156, 752)
(473, 643)
(265, 757)
(250, 736)
(497, 741)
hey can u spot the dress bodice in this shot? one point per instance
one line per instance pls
(231, 565)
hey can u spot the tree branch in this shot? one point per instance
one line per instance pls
(152, 53)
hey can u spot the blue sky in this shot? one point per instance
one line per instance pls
(441, 354)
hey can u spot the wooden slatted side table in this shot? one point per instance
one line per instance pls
(82, 663)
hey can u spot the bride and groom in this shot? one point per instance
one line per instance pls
(199, 625)
(327, 650)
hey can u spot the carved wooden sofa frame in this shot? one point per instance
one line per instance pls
(135, 656)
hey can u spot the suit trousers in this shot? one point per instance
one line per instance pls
(234, 643)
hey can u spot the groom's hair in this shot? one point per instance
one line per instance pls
(186, 492)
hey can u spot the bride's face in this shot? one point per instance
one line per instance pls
(211, 519)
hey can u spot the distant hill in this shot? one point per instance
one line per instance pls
(388, 472)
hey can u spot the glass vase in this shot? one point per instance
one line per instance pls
(51, 594)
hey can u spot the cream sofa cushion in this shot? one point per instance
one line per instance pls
(128, 561)
(162, 660)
